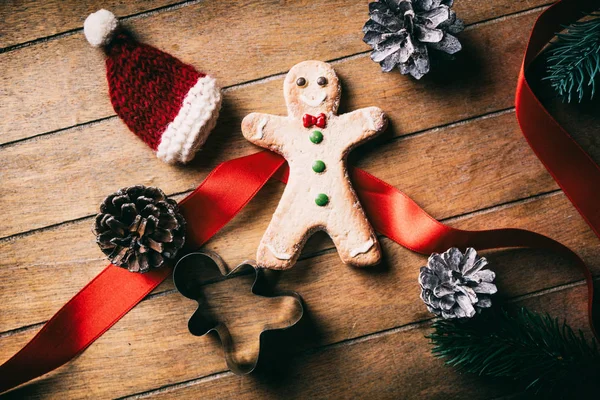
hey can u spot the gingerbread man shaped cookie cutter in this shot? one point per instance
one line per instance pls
(315, 141)
(239, 317)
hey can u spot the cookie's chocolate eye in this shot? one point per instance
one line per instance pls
(301, 82)
(322, 81)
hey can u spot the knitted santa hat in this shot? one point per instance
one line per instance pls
(168, 104)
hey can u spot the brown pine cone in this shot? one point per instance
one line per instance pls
(139, 228)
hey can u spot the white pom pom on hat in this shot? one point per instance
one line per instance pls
(99, 27)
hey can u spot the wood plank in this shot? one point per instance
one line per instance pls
(389, 366)
(149, 348)
(77, 160)
(460, 171)
(74, 89)
(144, 351)
(27, 20)
(575, 116)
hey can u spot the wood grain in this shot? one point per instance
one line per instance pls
(393, 365)
(61, 83)
(85, 161)
(361, 335)
(30, 19)
(27, 20)
(341, 303)
(451, 171)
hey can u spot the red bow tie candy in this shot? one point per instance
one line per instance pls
(310, 120)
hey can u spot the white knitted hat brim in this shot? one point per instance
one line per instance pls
(192, 125)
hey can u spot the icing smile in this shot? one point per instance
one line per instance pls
(314, 102)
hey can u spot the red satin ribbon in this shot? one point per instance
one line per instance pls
(115, 291)
(570, 166)
(215, 202)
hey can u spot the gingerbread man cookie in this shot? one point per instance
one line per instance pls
(315, 141)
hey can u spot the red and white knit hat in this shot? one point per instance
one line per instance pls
(168, 104)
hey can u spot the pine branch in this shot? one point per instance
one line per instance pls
(574, 60)
(546, 357)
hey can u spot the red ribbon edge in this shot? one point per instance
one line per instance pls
(570, 166)
(115, 291)
(72, 329)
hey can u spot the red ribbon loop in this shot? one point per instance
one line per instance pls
(115, 291)
(234, 183)
(570, 166)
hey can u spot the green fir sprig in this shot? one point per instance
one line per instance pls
(573, 60)
(546, 357)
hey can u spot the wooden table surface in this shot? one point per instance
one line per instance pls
(453, 145)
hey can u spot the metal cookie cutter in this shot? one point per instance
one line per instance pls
(238, 316)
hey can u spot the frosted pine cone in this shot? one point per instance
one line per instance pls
(400, 31)
(139, 228)
(454, 285)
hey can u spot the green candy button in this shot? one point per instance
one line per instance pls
(322, 199)
(318, 166)
(316, 137)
